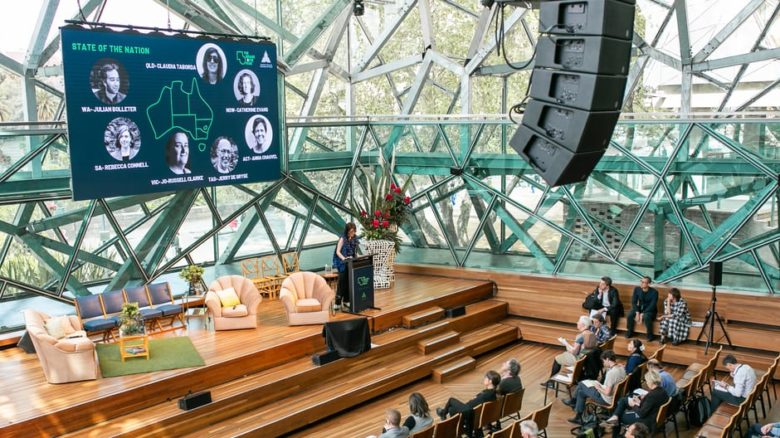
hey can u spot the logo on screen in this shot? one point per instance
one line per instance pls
(244, 58)
(265, 59)
(362, 281)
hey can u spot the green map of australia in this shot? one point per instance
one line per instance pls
(180, 109)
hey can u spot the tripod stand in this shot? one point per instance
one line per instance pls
(709, 323)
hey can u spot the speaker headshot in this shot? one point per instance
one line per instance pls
(122, 139)
(258, 134)
(247, 88)
(109, 81)
(224, 154)
(211, 63)
(177, 153)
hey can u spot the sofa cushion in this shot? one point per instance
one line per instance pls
(148, 313)
(235, 311)
(228, 297)
(75, 344)
(58, 326)
(100, 324)
(308, 305)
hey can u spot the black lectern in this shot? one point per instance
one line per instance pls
(360, 272)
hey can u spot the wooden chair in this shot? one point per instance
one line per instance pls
(250, 268)
(486, 414)
(150, 315)
(761, 387)
(162, 299)
(689, 391)
(592, 407)
(542, 418)
(271, 272)
(659, 354)
(566, 379)
(92, 315)
(608, 344)
(512, 404)
(771, 379)
(449, 428)
(424, 433)
(290, 262)
(505, 432)
(662, 418)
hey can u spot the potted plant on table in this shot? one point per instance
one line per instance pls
(192, 274)
(382, 211)
(130, 320)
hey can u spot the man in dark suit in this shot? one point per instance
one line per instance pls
(605, 300)
(510, 377)
(455, 406)
(644, 308)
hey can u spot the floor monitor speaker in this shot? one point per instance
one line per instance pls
(455, 311)
(324, 358)
(192, 401)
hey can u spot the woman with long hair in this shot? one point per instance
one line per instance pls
(420, 417)
(345, 248)
(212, 66)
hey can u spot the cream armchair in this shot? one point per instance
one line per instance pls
(238, 317)
(63, 360)
(307, 298)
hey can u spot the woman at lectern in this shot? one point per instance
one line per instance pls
(345, 248)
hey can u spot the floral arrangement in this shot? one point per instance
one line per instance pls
(385, 206)
(130, 319)
(192, 274)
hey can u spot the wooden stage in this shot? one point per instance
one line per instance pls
(31, 407)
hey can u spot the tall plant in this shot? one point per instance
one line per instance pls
(384, 207)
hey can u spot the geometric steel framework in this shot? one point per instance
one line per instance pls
(669, 196)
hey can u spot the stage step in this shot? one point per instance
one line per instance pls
(450, 370)
(423, 317)
(437, 343)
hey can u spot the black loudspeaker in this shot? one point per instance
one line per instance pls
(324, 358)
(196, 400)
(455, 311)
(577, 87)
(25, 343)
(716, 273)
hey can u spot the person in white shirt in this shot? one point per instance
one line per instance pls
(744, 379)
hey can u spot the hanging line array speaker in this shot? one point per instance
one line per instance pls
(577, 87)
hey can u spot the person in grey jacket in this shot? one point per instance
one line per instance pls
(393, 428)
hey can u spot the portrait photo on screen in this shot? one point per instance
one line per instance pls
(109, 81)
(258, 134)
(211, 63)
(224, 154)
(122, 139)
(246, 87)
(177, 153)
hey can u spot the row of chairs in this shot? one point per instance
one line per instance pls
(267, 274)
(99, 313)
(728, 418)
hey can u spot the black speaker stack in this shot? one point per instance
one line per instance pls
(577, 87)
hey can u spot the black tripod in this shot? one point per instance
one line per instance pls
(709, 322)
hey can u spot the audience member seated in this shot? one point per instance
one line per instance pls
(510, 377)
(644, 308)
(676, 319)
(583, 343)
(65, 352)
(605, 301)
(307, 298)
(636, 357)
(232, 300)
(393, 428)
(636, 408)
(637, 430)
(420, 417)
(599, 328)
(744, 379)
(592, 389)
(771, 430)
(529, 429)
(667, 380)
(455, 406)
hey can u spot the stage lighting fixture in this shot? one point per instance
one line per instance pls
(358, 8)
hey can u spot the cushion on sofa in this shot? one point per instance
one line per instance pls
(235, 311)
(308, 305)
(59, 326)
(228, 297)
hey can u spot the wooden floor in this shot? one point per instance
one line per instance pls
(27, 397)
(535, 360)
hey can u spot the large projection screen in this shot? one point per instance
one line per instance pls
(156, 113)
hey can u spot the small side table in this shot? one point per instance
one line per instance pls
(134, 346)
(332, 278)
(194, 307)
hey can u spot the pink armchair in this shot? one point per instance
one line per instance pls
(63, 360)
(243, 315)
(307, 298)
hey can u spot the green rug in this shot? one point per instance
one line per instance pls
(166, 354)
